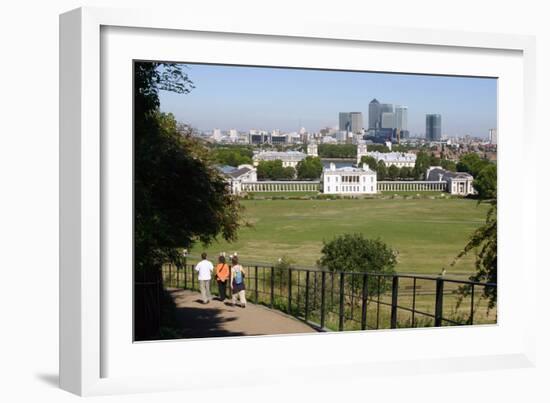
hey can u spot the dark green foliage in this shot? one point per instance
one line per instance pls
(393, 172)
(355, 253)
(484, 242)
(448, 165)
(421, 165)
(309, 168)
(471, 163)
(274, 170)
(382, 148)
(486, 183)
(370, 161)
(233, 156)
(180, 197)
(337, 150)
(405, 173)
(381, 171)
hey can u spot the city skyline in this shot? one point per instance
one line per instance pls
(267, 98)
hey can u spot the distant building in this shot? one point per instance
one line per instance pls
(458, 183)
(312, 150)
(235, 177)
(374, 114)
(388, 120)
(233, 135)
(394, 158)
(288, 158)
(401, 117)
(217, 134)
(344, 121)
(433, 127)
(361, 151)
(356, 120)
(348, 180)
(493, 136)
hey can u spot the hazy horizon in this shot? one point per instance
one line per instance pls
(267, 98)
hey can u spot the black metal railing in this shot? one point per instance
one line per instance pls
(338, 301)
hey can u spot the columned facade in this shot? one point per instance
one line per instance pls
(411, 186)
(281, 186)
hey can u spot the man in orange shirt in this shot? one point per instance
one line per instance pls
(222, 275)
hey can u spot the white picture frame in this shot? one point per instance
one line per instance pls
(97, 357)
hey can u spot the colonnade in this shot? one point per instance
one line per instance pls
(281, 186)
(411, 186)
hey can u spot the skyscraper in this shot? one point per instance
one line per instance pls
(387, 120)
(356, 119)
(401, 116)
(344, 122)
(374, 114)
(433, 127)
(493, 136)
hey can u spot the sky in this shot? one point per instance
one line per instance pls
(243, 98)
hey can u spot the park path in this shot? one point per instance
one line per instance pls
(217, 319)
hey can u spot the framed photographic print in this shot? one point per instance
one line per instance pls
(277, 191)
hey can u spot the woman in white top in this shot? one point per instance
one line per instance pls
(237, 282)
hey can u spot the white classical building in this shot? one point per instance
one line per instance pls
(349, 180)
(312, 150)
(394, 158)
(289, 158)
(236, 177)
(458, 183)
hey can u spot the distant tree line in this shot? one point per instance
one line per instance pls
(309, 168)
(232, 155)
(337, 150)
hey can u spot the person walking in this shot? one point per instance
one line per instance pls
(222, 275)
(237, 282)
(205, 268)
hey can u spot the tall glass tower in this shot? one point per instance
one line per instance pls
(433, 127)
(401, 113)
(374, 114)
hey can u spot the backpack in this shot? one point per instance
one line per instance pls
(238, 277)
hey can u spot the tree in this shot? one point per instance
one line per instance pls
(405, 172)
(393, 172)
(309, 168)
(233, 156)
(337, 150)
(421, 165)
(168, 219)
(355, 253)
(381, 171)
(370, 161)
(486, 183)
(484, 240)
(274, 170)
(448, 165)
(471, 163)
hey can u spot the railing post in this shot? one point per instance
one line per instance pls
(256, 283)
(323, 284)
(394, 291)
(192, 277)
(364, 302)
(341, 311)
(438, 301)
(272, 281)
(185, 276)
(306, 314)
(289, 290)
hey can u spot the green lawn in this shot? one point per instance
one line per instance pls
(427, 233)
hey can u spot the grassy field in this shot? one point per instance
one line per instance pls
(427, 233)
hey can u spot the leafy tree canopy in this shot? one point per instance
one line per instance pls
(309, 168)
(274, 170)
(180, 197)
